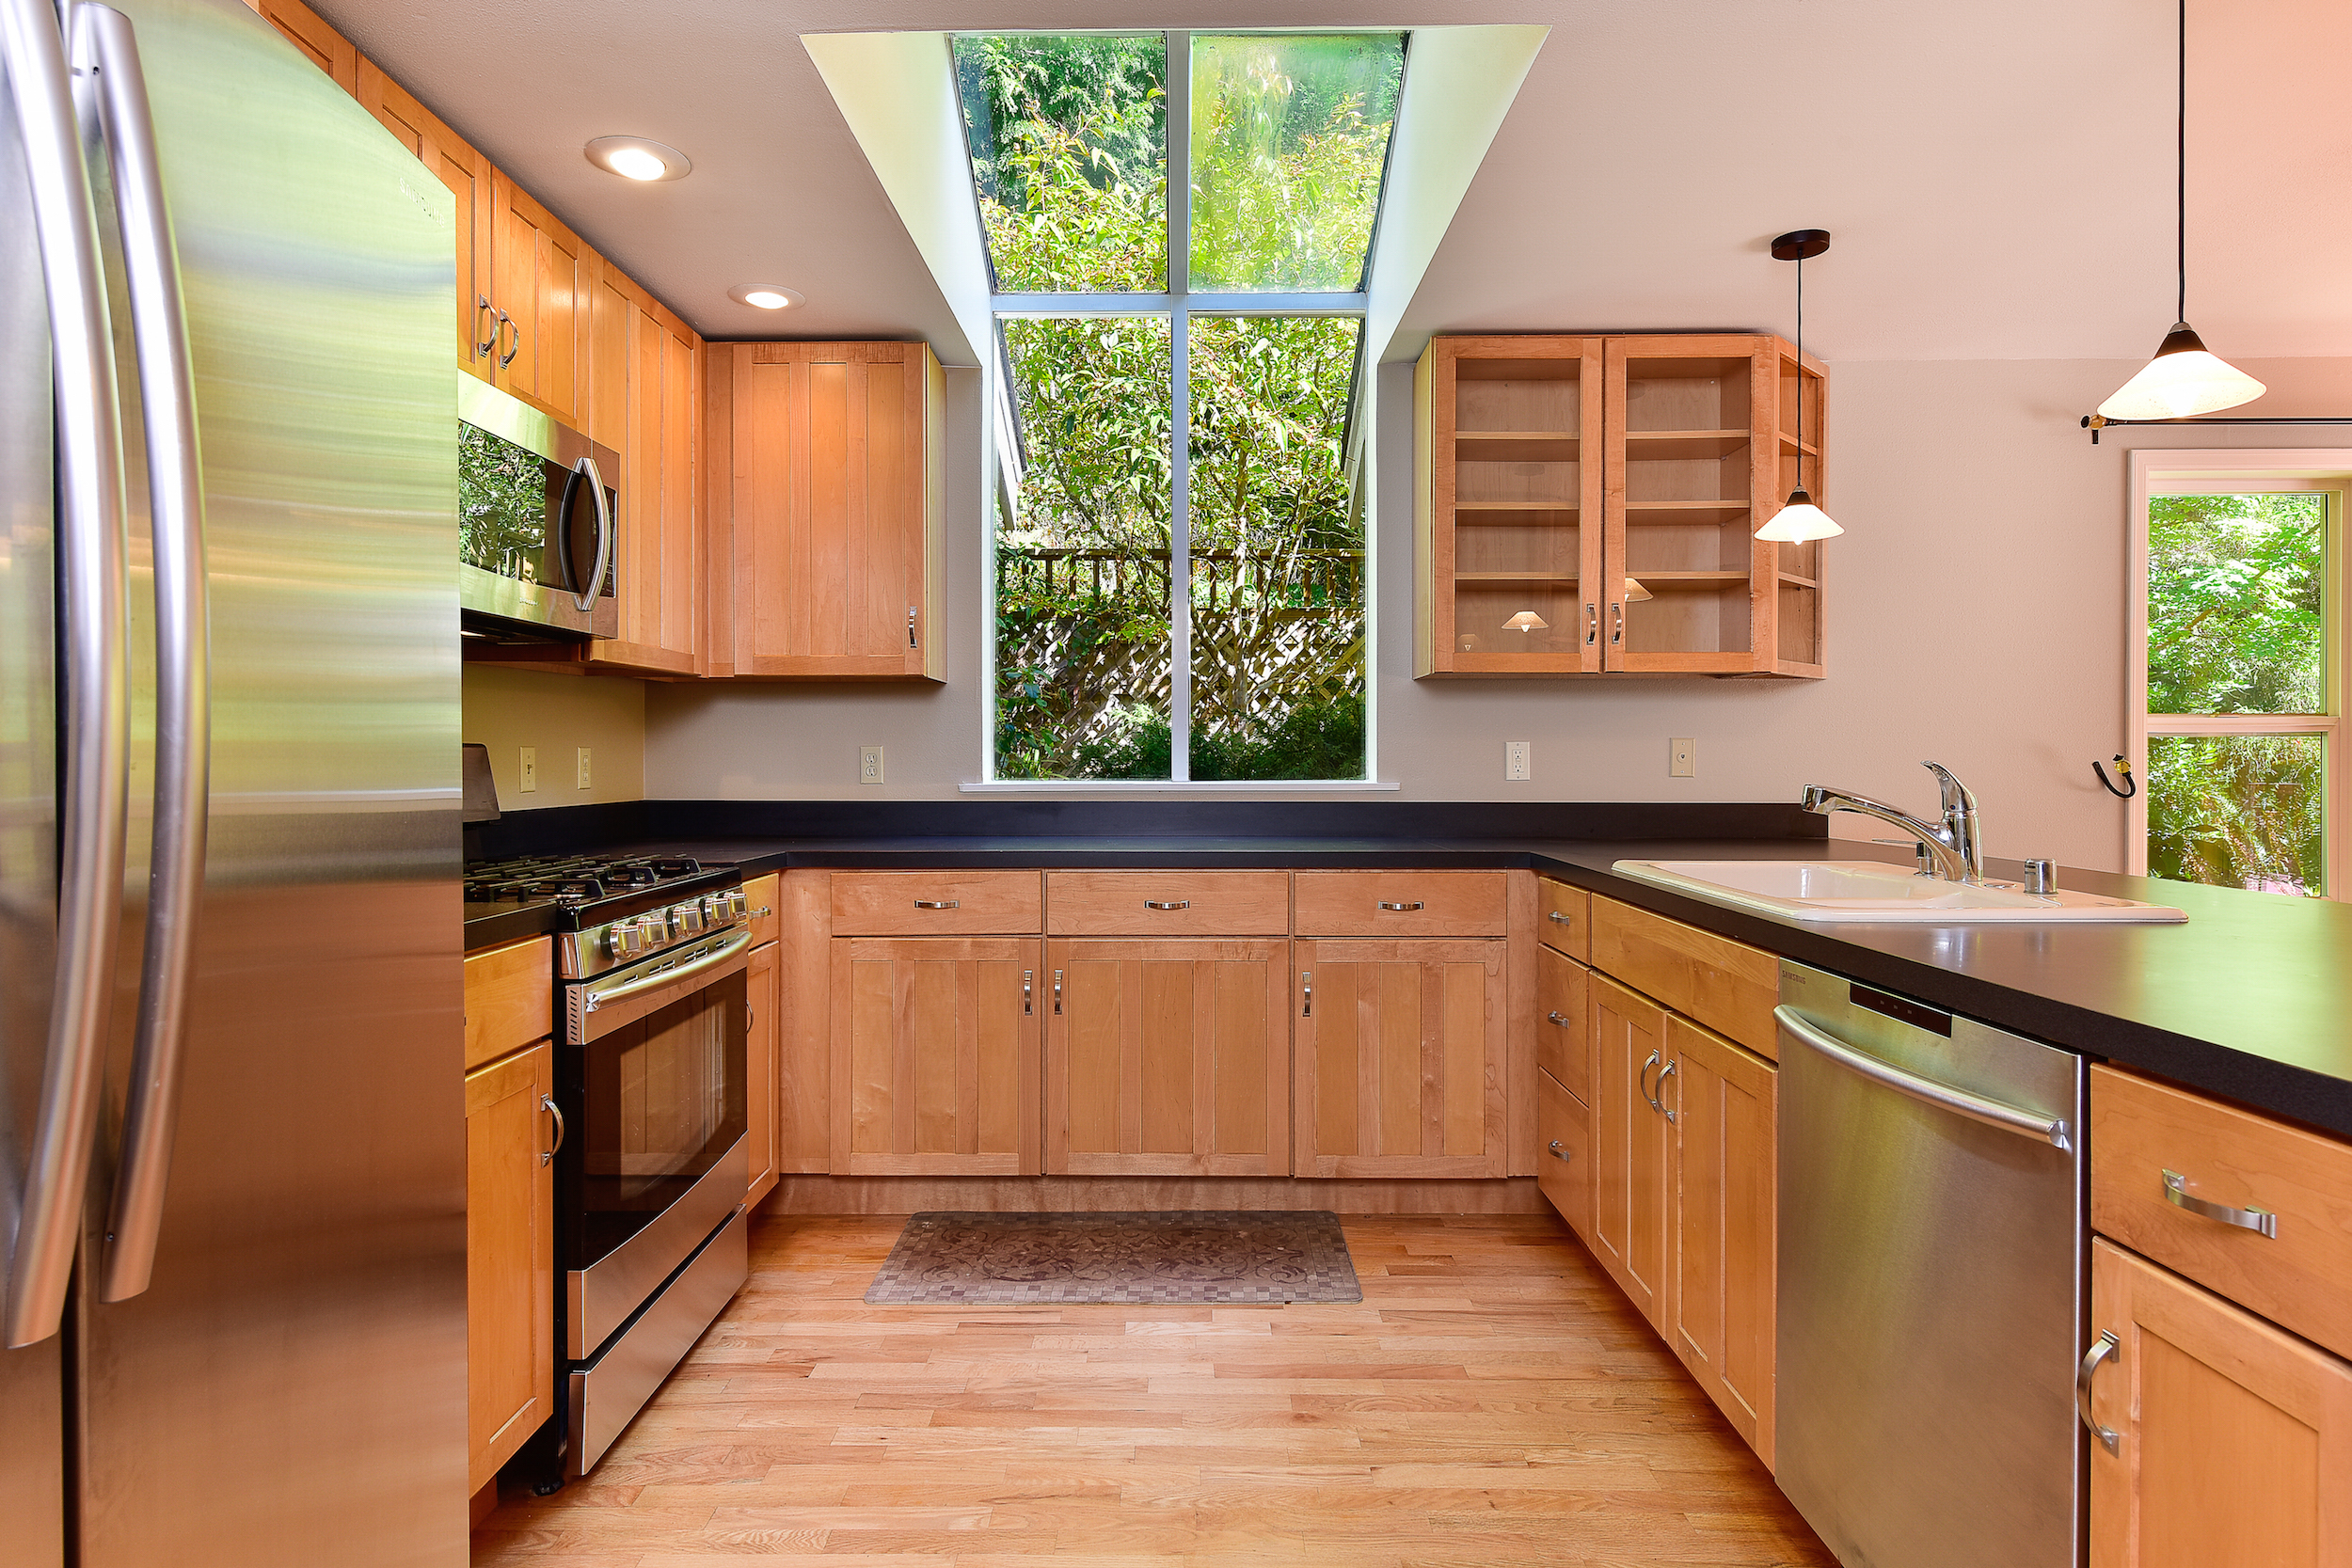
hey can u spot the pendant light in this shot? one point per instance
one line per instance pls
(2184, 379)
(1799, 519)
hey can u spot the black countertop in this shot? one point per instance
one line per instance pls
(2250, 999)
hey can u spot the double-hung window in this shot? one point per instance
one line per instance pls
(2240, 668)
(1179, 228)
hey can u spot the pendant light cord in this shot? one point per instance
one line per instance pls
(2180, 178)
(1800, 361)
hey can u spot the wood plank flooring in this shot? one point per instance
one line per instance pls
(1493, 1400)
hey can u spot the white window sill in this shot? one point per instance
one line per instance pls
(1164, 787)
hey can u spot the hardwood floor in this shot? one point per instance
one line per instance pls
(1493, 1400)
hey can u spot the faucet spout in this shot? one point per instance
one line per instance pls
(1955, 843)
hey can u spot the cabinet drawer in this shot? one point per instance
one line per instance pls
(1399, 903)
(1168, 903)
(1564, 919)
(1562, 1042)
(2300, 1277)
(1563, 1166)
(1726, 985)
(510, 998)
(938, 903)
(764, 898)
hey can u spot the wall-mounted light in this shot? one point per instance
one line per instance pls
(635, 158)
(1799, 519)
(1634, 592)
(766, 297)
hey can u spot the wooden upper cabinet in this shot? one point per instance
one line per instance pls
(935, 1068)
(645, 402)
(539, 273)
(832, 459)
(2233, 1439)
(1399, 1055)
(1167, 1057)
(510, 1257)
(1588, 506)
(1724, 1226)
(451, 160)
(1632, 1148)
(319, 42)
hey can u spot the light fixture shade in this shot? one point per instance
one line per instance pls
(2183, 380)
(1634, 592)
(1799, 521)
(635, 158)
(1526, 620)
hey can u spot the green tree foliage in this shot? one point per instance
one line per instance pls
(2235, 590)
(501, 504)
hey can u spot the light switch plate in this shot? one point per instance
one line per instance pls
(582, 782)
(1519, 760)
(527, 770)
(1682, 758)
(869, 765)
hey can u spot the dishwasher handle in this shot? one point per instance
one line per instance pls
(1976, 1107)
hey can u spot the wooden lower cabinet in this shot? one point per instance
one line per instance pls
(935, 1064)
(1400, 1058)
(2233, 1437)
(1564, 1046)
(1632, 1148)
(1564, 1168)
(761, 1013)
(1168, 1056)
(1720, 1307)
(509, 1256)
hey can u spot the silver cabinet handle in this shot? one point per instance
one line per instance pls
(910, 641)
(939, 903)
(2107, 1346)
(1616, 627)
(1558, 919)
(88, 438)
(506, 320)
(1028, 997)
(1058, 993)
(762, 913)
(592, 998)
(108, 50)
(1664, 1073)
(584, 472)
(1400, 909)
(1172, 904)
(481, 307)
(2176, 1193)
(1306, 993)
(1560, 1152)
(1555, 1016)
(1976, 1107)
(1592, 625)
(1653, 1061)
(547, 1102)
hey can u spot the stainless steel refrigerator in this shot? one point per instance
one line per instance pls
(231, 1145)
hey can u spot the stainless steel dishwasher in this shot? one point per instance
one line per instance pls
(1930, 1282)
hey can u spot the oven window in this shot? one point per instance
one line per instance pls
(664, 1099)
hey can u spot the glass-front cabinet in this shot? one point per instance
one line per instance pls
(1588, 506)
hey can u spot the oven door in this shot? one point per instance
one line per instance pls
(654, 1080)
(537, 540)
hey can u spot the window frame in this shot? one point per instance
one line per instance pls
(2156, 472)
(1180, 304)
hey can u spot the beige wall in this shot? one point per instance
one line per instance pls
(1976, 617)
(507, 709)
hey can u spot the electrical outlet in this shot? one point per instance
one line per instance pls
(1682, 757)
(527, 772)
(869, 765)
(582, 782)
(1519, 760)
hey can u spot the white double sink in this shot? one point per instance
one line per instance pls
(1829, 891)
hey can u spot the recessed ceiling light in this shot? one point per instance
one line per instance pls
(635, 158)
(766, 297)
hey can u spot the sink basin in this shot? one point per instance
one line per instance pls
(1874, 891)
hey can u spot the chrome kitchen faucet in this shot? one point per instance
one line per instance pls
(1954, 844)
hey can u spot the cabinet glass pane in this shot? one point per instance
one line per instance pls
(1290, 138)
(1518, 530)
(2235, 603)
(1068, 141)
(2238, 810)
(1278, 551)
(1083, 646)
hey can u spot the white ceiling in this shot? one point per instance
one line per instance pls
(1998, 174)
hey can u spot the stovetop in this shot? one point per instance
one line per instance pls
(590, 889)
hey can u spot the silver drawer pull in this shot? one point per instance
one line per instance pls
(1058, 993)
(2176, 1193)
(1172, 904)
(2107, 1345)
(1561, 1018)
(1560, 1150)
(1558, 919)
(1400, 909)
(1306, 993)
(939, 903)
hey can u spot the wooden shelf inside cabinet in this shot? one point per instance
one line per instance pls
(1682, 445)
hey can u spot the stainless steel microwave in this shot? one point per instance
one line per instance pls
(536, 523)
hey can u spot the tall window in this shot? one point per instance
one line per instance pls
(1179, 227)
(2242, 689)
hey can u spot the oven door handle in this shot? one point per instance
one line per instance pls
(592, 997)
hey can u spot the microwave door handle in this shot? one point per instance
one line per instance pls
(104, 40)
(584, 597)
(95, 718)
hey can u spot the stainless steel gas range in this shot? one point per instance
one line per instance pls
(651, 1174)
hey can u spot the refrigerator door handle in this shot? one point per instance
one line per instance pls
(106, 57)
(1976, 1107)
(95, 717)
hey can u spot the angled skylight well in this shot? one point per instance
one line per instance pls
(1179, 292)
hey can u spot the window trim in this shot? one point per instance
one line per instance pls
(2162, 471)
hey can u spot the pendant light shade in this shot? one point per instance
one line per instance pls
(1799, 521)
(2184, 379)
(1634, 592)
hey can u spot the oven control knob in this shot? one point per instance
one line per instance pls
(738, 905)
(686, 918)
(715, 911)
(620, 939)
(653, 928)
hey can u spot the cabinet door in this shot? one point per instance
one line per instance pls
(1168, 1056)
(510, 1257)
(760, 1016)
(2235, 1438)
(1400, 1060)
(834, 510)
(1564, 1038)
(644, 387)
(539, 271)
(1724, 1100)
(1632, 1148)
(936, 1066)
(308, 32)
(467, 174)
(1564, 1170)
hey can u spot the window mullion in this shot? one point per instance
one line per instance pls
(1178, 77)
